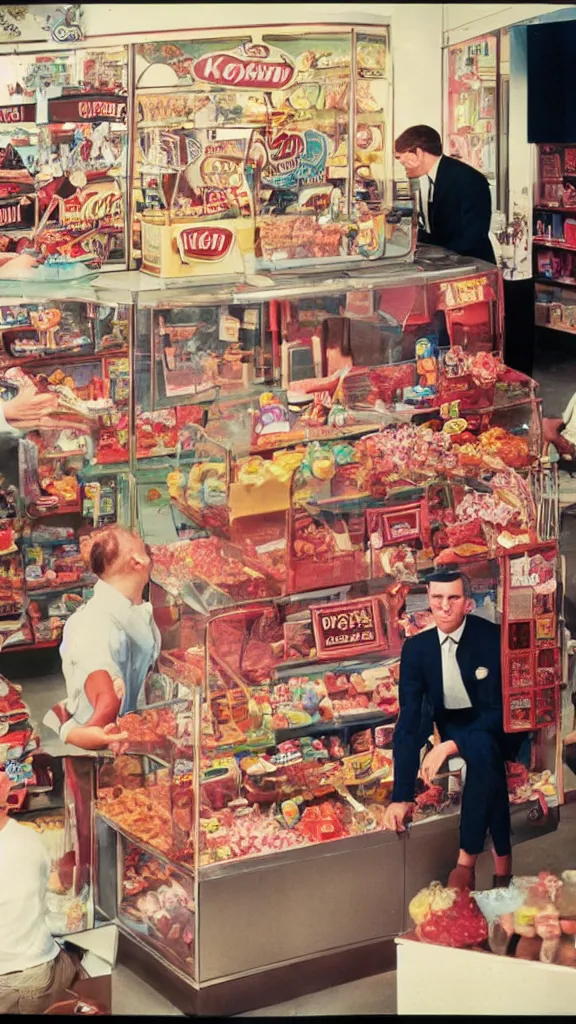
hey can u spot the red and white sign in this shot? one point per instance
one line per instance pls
(21, 114)
(251, 66)
(78, 109)
(345, 628)
(10, 214)
(204, 243)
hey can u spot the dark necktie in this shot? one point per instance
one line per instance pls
(430, 200)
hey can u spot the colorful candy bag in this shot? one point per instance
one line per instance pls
(446, 917)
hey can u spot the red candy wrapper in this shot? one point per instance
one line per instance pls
(461, 926)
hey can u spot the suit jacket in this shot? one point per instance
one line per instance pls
(421, 686)
(461, 211)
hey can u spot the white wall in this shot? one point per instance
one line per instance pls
(417, 49)
(416, 31)
(138, 19)
(464, 21)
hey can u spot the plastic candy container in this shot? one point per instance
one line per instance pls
(498, 907)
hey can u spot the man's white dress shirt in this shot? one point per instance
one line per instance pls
(455, 693)
(110, 634)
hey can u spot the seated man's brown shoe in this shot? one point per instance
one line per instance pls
(462, 877)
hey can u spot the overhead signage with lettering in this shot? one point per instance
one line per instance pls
(250, 66)
(78, 109)
(345, 628)
(18, 113)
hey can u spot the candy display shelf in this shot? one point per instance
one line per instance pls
(293, 529)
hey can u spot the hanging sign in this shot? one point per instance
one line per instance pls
(353, 627)
(78, 109)
(11, 214)
(249, 66)
(24, 113)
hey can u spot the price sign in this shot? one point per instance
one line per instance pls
(348, 628)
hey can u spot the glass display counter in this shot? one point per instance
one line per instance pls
(74, 343)
(263, 149)
(318, 446)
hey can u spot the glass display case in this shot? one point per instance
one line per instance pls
(331, 441)
(56, 801)
(74, 476)
(265, 149)
(472, 105)
(64, 158)
(554, 238)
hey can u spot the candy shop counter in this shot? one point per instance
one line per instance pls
(370, 880)
(362, 878)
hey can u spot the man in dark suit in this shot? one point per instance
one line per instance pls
(454, 199)
(454, 670)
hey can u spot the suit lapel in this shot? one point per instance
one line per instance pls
(439, 188)
(465, 659)
(435, 668)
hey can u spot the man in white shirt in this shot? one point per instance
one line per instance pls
(562, 432)
(33, 968)
(454, 671)
(108, 645)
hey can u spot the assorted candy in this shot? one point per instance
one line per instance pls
(541, 910)
(447, 917)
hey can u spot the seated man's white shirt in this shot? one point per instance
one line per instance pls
(455, 693)
(569, 418)
(107, 634)
(25, 940)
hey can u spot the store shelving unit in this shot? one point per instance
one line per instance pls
(472, 110)
(554, 238)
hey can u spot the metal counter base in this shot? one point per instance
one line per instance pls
(271, 929)
(262, 988)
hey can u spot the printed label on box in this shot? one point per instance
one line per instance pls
(348, 626)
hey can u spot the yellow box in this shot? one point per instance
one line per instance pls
(195, 248)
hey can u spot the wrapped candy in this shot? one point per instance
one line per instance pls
(485, 369)
(431, 900)
(498, 907)
(447, 917)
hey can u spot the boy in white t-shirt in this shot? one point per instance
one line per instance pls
(33, 968)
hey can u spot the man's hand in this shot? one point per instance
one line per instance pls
(396, 815)
(435, 758)
(117, 742)
(29, 410)
(98, 737)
